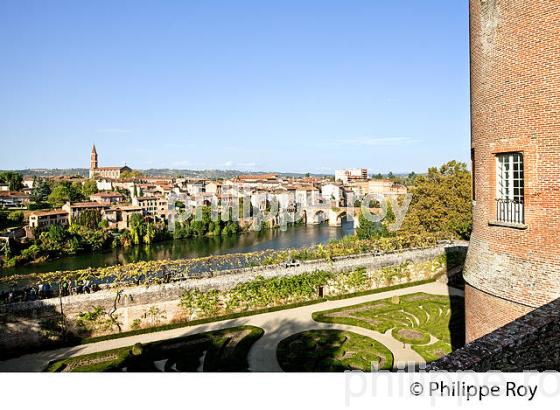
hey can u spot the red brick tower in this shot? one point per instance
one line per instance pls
(513, 264)
(93, 162)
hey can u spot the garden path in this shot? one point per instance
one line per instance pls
(262, 356)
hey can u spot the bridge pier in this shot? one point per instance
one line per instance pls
(335, 218)
(317, 215)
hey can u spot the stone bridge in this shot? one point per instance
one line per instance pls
(314, 215)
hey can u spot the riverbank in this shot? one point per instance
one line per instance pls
(297, 236)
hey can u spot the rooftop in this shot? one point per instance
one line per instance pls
(107, 194)
(87, 205)
(48, 213)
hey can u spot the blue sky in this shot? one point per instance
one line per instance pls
(302, 86)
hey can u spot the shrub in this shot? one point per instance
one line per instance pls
(136, 324)
(137, 349)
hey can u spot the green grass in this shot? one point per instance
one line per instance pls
(410, 335)
(73, 340)
(434, 351)
(237, 315)
(411, 319)
(222, 350)
(332, 351)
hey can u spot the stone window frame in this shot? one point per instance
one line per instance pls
(509, 206)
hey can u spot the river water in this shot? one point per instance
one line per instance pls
(299, 236)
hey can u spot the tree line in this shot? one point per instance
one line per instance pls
(441, 204)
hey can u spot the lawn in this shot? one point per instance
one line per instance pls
(432, 324)
(216, 351)
(332, 351)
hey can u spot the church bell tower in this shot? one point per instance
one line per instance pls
(93, 162)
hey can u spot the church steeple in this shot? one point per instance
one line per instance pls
(93, 161)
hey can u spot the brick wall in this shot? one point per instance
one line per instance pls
(515, 104)
(487, 312)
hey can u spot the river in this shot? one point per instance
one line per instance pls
(299, 236)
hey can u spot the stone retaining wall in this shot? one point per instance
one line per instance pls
(28, 324)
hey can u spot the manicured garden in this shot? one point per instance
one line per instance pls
(332, 351)
(216, 351)
(433, 325)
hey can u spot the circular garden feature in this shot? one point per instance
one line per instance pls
(332, 351)
(433, 325)
(413, 336)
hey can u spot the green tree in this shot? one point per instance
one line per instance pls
(93, 239)
(52, 240)
(89, 187)
(411, 178)
(137, 228)
(41, 191)
(150, 234)
(13, 179)
(71, 246)
(231, 228)
(368, 229)
(90, 218)
(201, 227)
(217, 229)
(441, 202)
(64, 192)
(15, 218)
(132, 175)
(31, 253)
(371, 229)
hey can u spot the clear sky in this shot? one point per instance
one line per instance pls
(286, 85)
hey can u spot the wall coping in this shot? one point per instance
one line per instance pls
(239, 273)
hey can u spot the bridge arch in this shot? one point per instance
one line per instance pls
(318, 216)
(336, 215)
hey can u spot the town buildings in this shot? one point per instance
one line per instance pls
(76, 209)
(118, 217)
(351, 175)
(42, 220)
(104, 172)
(13, 199)
(107, 197)
(155, 207)
(155, 198)
(385, 187)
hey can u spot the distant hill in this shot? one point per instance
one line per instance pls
(162, 172)
(52, 172)
(217, 173)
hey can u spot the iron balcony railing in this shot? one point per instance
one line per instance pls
(510, 211)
